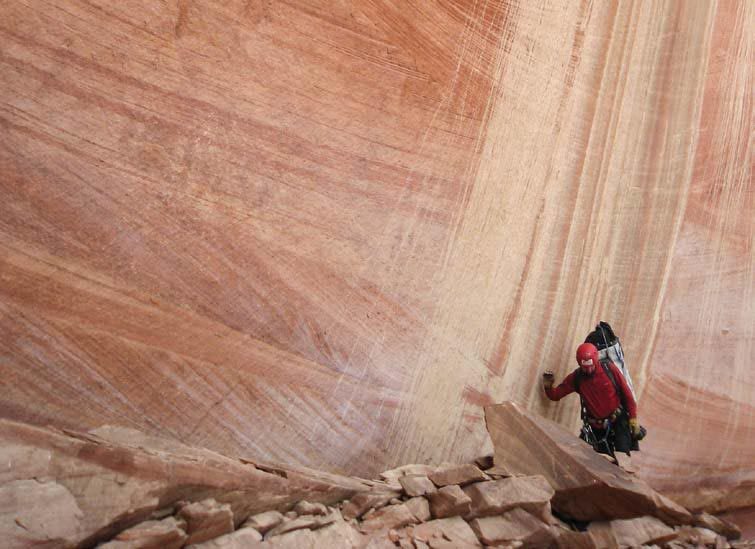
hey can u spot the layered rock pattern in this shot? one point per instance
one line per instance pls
(369, 219)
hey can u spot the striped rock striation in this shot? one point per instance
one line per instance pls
(329, 233)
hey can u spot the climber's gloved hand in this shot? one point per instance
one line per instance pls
(548, 380)
(634, 426)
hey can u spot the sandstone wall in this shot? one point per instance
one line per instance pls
(328, 233)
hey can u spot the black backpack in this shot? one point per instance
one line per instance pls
(602, 337)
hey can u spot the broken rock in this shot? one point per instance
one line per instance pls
(243, 538)
(641, 531)
(411, 469)
(420, 508)
(587, 487)
(416, 485)
(719, 525)
(498, 496)
(364, 501)
(449, 501)
(458, 474)
(393, 516)
(516, 525)
(33, 512)
(454, 529)
(306, 521)
(307, 508)
(168, 533)
(206, 520)
(115, 479)
(262, 522)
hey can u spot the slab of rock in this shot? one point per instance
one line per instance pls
(717, 524)
(263, 522)
(641, 531)
(420, 508)
(587, 486)
(494, 497)
(337, 535)
(340, 534)
(498, 471)
(206, 519)
(307, 508)
(569, 539)
(416, 485)
(168, 533)
(392, 516)
(516, 525)
(454, 529)
(458, 474)
(410, 469)
(298, 539)
(602, 533)
(36, 512)
(449, 501)
(362, 502)
(105, 483)
(243, 538)
(306, 521)
(698, 536)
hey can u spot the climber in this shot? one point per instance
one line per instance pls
(608, 405)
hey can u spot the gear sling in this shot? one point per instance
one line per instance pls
(606, 444)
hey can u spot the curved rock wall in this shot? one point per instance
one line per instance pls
(328, 233)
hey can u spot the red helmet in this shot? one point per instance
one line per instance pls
(587, 358)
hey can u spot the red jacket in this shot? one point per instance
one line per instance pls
(598, 392)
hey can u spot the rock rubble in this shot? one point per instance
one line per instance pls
(210, 502)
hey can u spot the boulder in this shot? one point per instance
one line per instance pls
(454, 529)
(420, 508)
(35, 512)
(516, 525)
(206, 520)
(262, 522)
(569, 539)
(392, 516)
(717, 524)
(410, 469)
(416, 485)
(168, 533)
(697, 536)
(311, 522)
(296, 539)
(457, 474)
(307, 508)
(532, 493)
(449, 501)
(338, 535)
(587, 487)
(641, 531)
(243, 538)
(362, 502)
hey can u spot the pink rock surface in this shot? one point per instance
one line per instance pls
(328, 234)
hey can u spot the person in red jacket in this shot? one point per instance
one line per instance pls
(604, 401)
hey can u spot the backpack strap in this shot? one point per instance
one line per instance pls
(609, 373)
(582, 406)
(619, 392)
